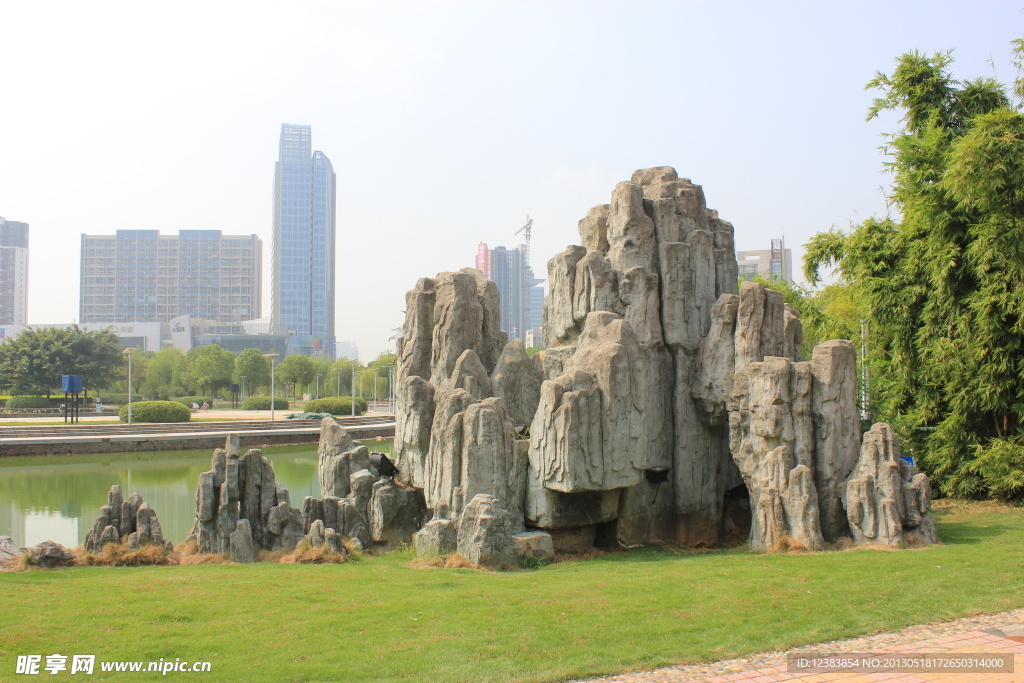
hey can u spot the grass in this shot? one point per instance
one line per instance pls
(382, 619)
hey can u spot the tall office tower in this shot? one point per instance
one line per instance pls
(143, 276)
(522, 301)
(13, 272)
(302, 270)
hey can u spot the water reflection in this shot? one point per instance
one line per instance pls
(58, 497)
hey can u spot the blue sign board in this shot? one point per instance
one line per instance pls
(71, 384)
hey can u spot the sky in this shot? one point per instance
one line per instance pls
(448, 122)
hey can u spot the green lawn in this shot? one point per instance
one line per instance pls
(380, 619)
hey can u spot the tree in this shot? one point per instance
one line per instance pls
(33, 362)
(210, 368)
(296, 370)
(163, 372)
(254, 367)
(943, 287)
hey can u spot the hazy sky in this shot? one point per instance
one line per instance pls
(448, 122)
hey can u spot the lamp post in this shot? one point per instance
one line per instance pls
(271, 356)
(242, 377)
(128, 352)
(391, 386)
(318, 376)
(353, 388)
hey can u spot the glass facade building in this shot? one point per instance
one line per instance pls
(13, 272)
(522, 301)
(143, 276)
(302, 265)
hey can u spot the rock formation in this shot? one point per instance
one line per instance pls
(240, 509)
(50, 555)
(9, 550)
(887, 498)
(132, 520)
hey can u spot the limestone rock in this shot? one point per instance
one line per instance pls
(588, 433)
(361, 491)
(436, 538)
(335, 469)
(768, 412)
(312, 510)
(534, 544)
(794, 331)
(242, 549)
(594, 230)
(315, 537)
(109, 535)
(9, 550)
(485, 533)
(49, 555)
(836, 429)
(396, 512)
(887, 499)
(559, 318)
(412, 428)
(115, 500)
(516, 379)
(716, 359)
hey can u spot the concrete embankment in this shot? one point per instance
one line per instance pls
(69, 439)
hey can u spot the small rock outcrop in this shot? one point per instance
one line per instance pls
(9, 550)
(485, 533)
(50, 555)
(131, 520)
(887, 498)
(243, 489)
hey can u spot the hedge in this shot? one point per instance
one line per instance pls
(263, 403)
(187, 401)
(28, 402)
(335, 406)
(156, 411)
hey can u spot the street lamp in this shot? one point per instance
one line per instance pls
(242, 377)
(391, 386)
(353, 388)
(271, 356)
(318, 376)
(128, 352)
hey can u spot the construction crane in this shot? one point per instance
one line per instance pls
(526, 251)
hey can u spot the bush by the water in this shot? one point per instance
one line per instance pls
(336, 406)
(119, 399)
(28, 402)
(187, 401)
(263, 403)
(156, 411)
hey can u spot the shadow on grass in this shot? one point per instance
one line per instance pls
(970, 533)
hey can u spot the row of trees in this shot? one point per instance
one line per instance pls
(32, 364)
(941, 283)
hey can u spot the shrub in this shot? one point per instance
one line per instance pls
(29, 402)
(156, 411)
(263, 403)
(187, 401)
(999, 466)
(335, 406)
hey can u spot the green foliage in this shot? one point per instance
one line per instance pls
(33, 362)
(156, 411)
(296, 370)
(263, 403)
(534, 350)
(997, 469)
(33, 402)
(251, 364)
(336, 406)
(162, 373)
(943, 288)
(209, 368)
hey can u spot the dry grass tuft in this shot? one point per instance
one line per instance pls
(306, 554)
(577, 554)
(270, 556)
(354, 547)
(457, 561)
(204, 558)
(119, 555)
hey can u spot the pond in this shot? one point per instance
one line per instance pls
(57, 497)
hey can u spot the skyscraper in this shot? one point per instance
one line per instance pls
(143, 276)
(13, 272)
(522, 301)
(302, 265)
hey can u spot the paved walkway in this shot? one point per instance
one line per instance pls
(997, 634)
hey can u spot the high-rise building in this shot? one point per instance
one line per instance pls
(771, 264)
(302, 270)
(13, 272)
(142, 276)
(522, 301)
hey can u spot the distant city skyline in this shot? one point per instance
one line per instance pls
(447, 122)
(14, 262)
